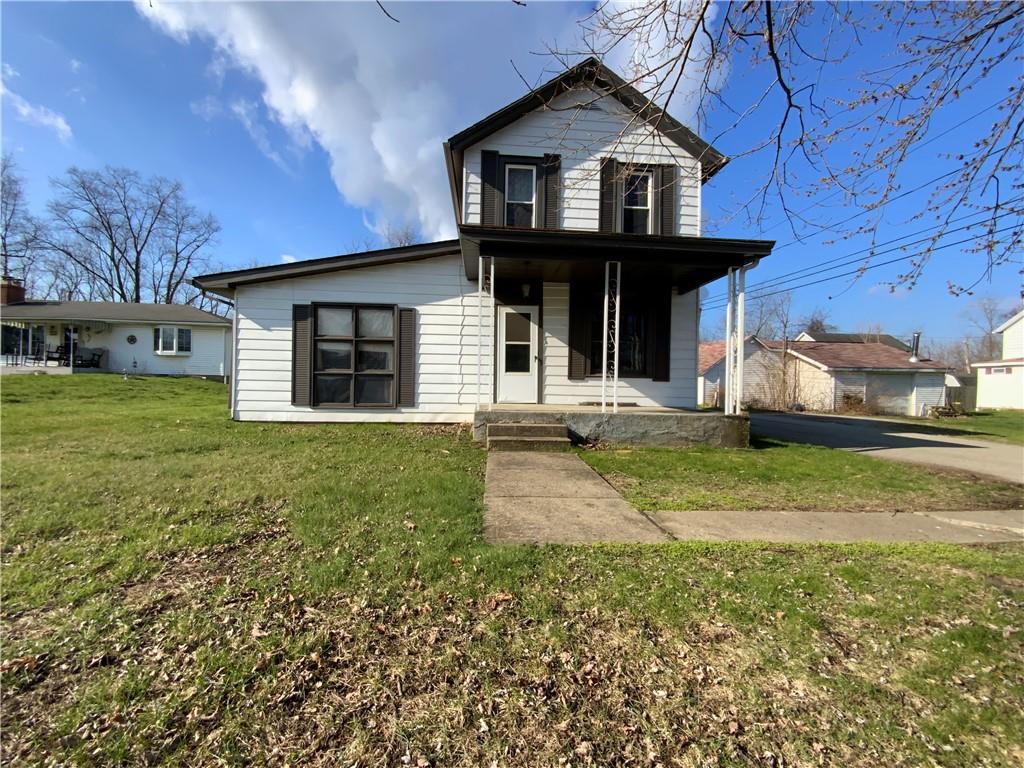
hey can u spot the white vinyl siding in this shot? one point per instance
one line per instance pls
(582, 138)
(1013, 339)
(446, 339)
(679, 392)
(849, 385)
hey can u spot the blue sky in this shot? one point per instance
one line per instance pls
(306, 128)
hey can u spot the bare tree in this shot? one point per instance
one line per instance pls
(129, 239)
(821, 140)
(20, 232)
(400, 235)
(816, 321)
(984, 315)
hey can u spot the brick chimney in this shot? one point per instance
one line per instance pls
(11, 291)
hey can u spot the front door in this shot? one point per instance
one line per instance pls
(518, 358)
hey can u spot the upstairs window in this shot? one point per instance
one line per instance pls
(169, 340)
(636, 204)
(520, 196)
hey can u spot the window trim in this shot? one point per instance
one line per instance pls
(354, 339)
(512, 166)
(649, 173)
(174, 352)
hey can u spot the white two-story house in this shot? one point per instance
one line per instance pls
(1001, 382)
(573, 283)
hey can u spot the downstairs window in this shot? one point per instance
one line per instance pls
(170, 340)
(353, 355)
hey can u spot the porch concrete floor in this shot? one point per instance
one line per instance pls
(544, 498)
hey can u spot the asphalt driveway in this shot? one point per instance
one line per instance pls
(898, 441)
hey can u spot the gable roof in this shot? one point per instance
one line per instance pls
(591, 72)
(709, 353)
(857, 338)
(110, 312)
(1011, 321)
(224, 282)
(862, 355)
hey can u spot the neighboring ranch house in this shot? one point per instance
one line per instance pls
(578, 214)
(762, 379)
(1001, 382)
(161, 339)
(858, 338)
(828, 376)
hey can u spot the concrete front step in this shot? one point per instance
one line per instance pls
(513, 429)
(516, 443)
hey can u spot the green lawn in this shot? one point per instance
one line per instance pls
(788, 476)
(1004, 426)
(181, 589)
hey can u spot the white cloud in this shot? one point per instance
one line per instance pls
(247, 113)
(10, 72)
(75, 65)
(378, 97)
(208, 108)
(287, 258)
(36, 114)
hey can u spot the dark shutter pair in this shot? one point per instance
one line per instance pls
(664, 180)
(492, 173)
(657, 295)
(302, 356)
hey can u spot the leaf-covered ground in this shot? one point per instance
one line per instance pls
(181, 589)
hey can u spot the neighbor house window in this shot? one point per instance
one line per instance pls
(353, 355)
(168, 340)
(636, 204)
(520, 196)
(634, 327)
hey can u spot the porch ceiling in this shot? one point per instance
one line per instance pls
(561, 255)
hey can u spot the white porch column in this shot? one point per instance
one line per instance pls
(494, 342)
(604, 345)
(615, 338)
(740, 337)
(727, 373)
(479, 327)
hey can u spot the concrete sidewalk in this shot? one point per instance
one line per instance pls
(980, 527)
(555, 498)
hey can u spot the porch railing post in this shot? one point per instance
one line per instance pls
(741, 341)
(604, 344)
(615, 339)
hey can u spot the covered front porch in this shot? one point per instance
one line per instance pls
(593, 324)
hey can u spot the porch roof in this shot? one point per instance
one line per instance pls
(562, 254)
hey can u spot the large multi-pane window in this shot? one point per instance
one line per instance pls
(634, 330)
(520, 196)
(636, 204)
(354, 355)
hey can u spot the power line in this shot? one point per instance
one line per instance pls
(797, 274)
(859, 270)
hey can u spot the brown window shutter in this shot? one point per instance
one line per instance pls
(662, 330)
(669, 202)
(302, 354)
(552, 173)
(489, 197)
(608, 212)
(655, 201)
(406, 358)
(579, 332)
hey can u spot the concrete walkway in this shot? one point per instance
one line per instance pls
(555, 498)
(925, 443)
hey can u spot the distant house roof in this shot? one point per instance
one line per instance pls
(710, 352)
(860, 355)
(1011, 321)
(109, 312)
(856, 338)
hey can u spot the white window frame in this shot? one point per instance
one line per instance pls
(650, 199)
(159, 329)
(533, 189)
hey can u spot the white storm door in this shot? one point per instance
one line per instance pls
(518, 358)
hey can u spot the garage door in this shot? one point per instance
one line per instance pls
(890, 392)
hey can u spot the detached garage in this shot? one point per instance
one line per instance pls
(830, 376)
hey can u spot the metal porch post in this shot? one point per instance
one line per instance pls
(479, 326)
(604, 345)
(615, 338)
(494, 341)
(741, 340)
(727, 384)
